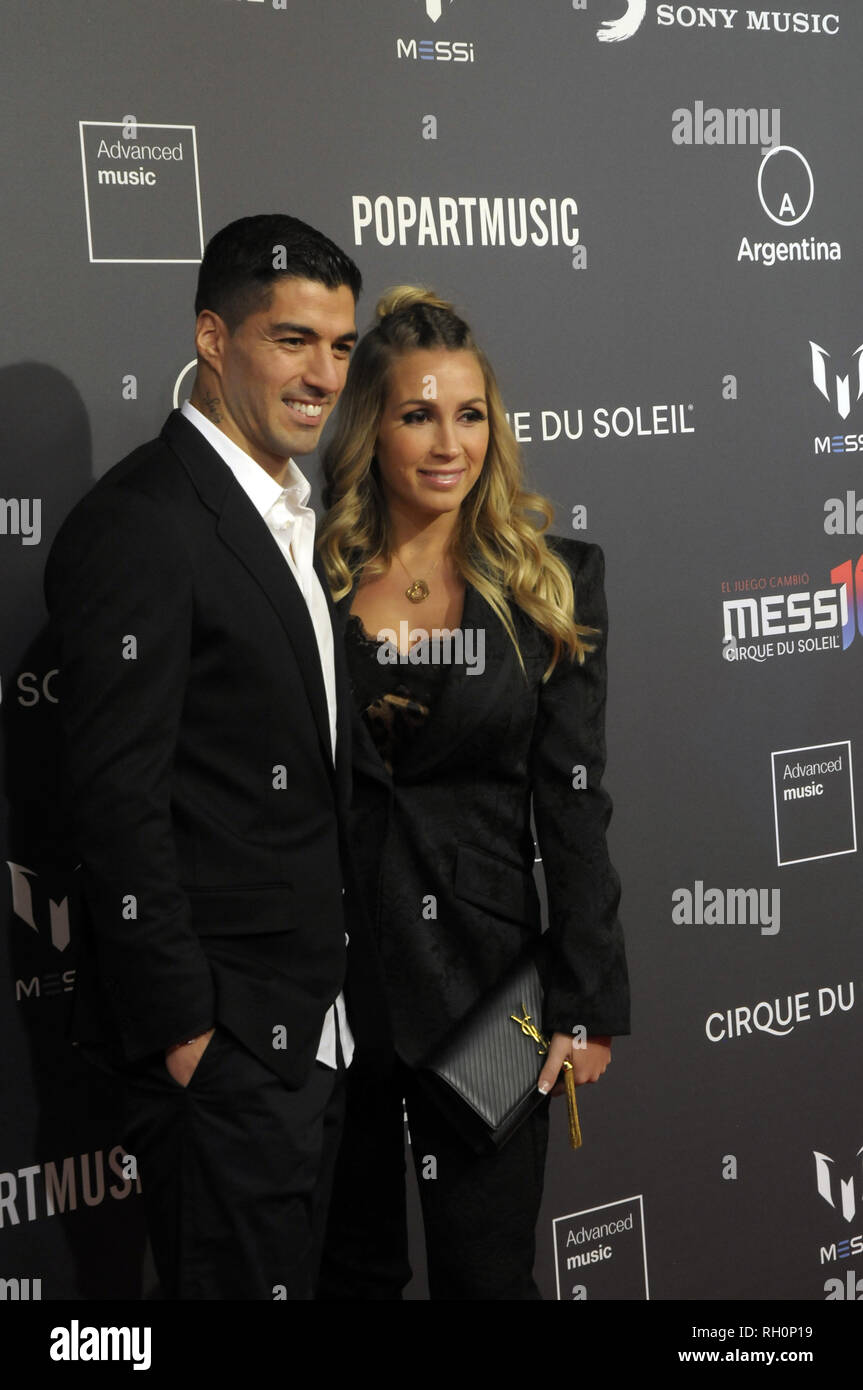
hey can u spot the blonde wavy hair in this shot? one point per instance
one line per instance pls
(498, 544)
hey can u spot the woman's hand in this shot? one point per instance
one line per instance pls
(588, 1062)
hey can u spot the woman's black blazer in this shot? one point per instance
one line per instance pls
(445, 850)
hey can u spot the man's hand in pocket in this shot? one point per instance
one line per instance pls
(182, 1059)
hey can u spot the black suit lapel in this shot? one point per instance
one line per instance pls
(344, 702)
(247, 534)
(244, 531)
(365, 756)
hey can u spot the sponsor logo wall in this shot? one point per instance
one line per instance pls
(691, 399)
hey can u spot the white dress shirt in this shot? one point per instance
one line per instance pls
(292, 525)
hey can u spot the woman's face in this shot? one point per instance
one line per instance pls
(433, 435)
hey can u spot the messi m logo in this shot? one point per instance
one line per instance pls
(820, 359)
(825, 1185)
(434, 10)
(22, 906)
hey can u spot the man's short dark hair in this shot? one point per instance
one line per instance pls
(244, 260)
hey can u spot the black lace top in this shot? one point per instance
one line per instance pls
(394, 697)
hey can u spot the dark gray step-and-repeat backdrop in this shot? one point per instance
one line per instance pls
(650, 214)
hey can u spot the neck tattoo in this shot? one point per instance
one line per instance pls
(212, 403)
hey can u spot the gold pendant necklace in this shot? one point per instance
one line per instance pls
(418, 590)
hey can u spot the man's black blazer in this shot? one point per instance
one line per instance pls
(206, 810)
(445, 850)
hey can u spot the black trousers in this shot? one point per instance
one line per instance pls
(235, 1172)
(479, 1211)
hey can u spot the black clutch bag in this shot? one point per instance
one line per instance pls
(484, 1077)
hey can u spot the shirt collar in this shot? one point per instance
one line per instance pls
(262, 490)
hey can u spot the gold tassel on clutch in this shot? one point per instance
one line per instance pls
(571, 1106)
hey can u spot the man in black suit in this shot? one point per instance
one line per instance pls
(207, 743)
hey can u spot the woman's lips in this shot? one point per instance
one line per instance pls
(440, 477)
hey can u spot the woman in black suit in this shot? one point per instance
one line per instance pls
(430, 531)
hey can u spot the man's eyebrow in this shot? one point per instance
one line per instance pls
(305, 331)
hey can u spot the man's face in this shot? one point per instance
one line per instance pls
(281, 371)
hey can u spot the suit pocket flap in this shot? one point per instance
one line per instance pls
(494, 884)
